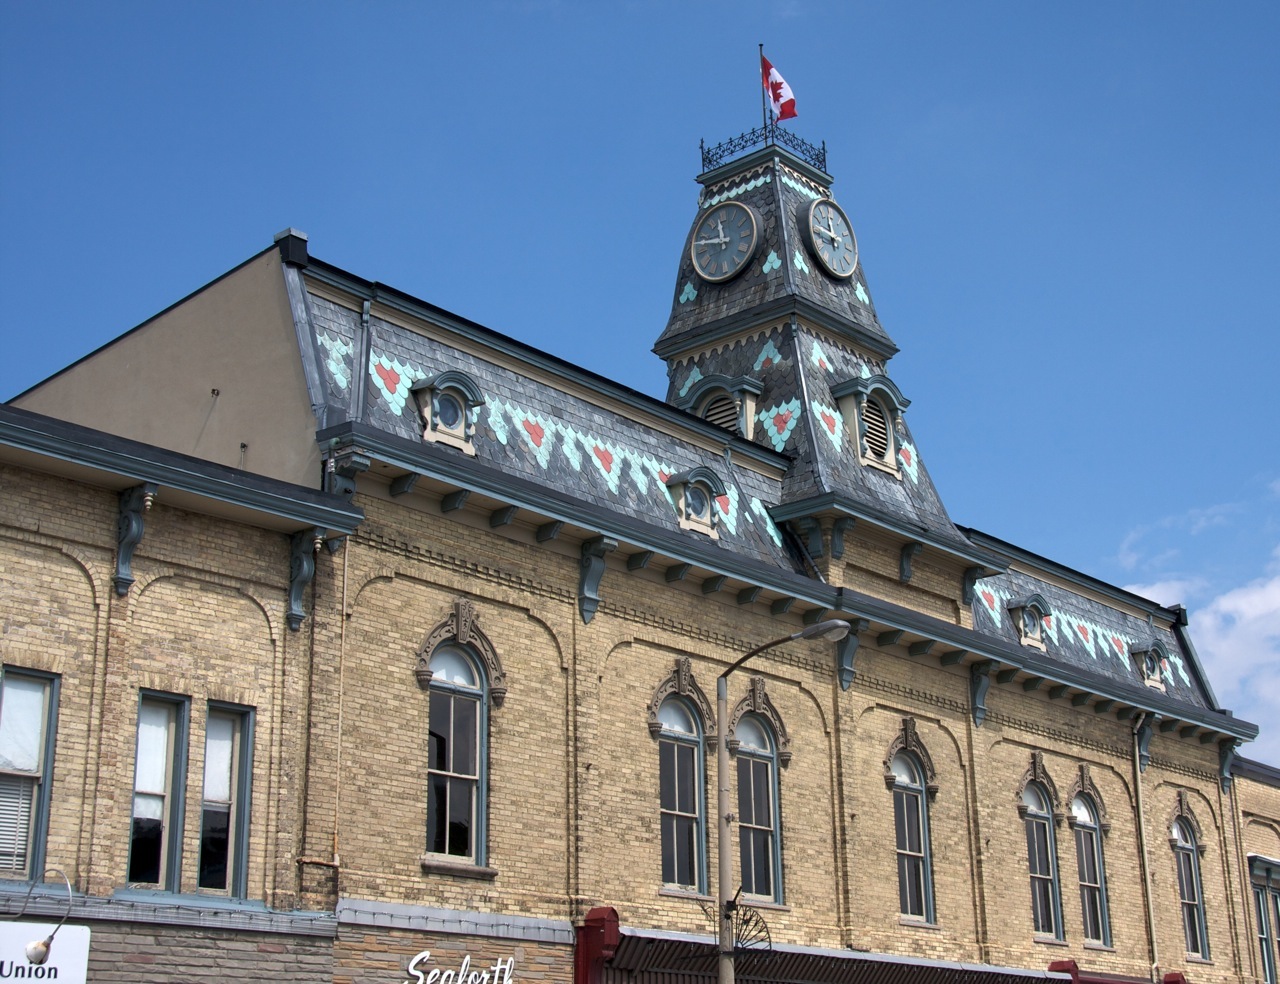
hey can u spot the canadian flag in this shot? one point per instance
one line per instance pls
(779, 93)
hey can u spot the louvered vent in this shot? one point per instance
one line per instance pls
(723, 412)
(877, 430)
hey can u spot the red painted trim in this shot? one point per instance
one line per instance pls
(597, 940)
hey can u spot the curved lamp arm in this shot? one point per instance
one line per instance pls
(38, 950)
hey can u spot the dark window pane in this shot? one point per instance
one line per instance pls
(144, 851)
(685, 801)
(761, 790)
(437, 812)
(464, 735)
(669, 849)
(440, 726)
(215, 841)
(763, 862)
(460, 817)
(667, 775)
(746, 814)
(686, 846)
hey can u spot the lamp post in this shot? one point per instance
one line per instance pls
(831, 629)
(37, 951)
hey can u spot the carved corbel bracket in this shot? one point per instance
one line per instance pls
(809, 532)
(343, 468)
(592, 570)
(134, 504)
(1227, 751)
(302, 568)
(979, 684)
(1144, 743)
(969, 584)
(847, 649)
(838, 529)
(909, 553)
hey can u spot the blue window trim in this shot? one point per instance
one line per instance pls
(1266, 906)
(1104, 909)
(480, 851)
(40, 822)
(698, 741)
(1192, 853)
(922, 799)
(239, 887)
(1055, 884)
(771, 756)
(177, 784)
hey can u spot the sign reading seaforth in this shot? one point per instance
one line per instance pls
(500, 972)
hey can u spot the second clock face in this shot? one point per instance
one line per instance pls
(724, 239)
(830, 237)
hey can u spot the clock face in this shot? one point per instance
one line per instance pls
(829, 237)
(724, 240)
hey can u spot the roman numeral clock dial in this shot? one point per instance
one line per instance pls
(724, 239)
(830, 238)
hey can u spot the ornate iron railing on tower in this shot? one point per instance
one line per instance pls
(713, 157)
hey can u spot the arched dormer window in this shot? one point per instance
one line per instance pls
(447, 404)
(728, 402)
(872, 408)
(693, 493)
(1150, 659)
(460, 671)
(1028, 615)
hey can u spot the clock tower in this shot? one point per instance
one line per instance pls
(773, 335)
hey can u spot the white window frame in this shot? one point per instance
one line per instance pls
(910, 799)
(672, 817)
(32, 811)
(761, 765)
(237, 805)
(1088, 838)
(173, 792)
(440, 692)
(1038, 823)
(1186, 855)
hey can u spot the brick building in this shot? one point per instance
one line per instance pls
(340, 630)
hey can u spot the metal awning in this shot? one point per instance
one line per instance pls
(674, 958)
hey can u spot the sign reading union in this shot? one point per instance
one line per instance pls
(499, 972)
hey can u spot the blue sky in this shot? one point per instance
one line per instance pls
(1067, 215)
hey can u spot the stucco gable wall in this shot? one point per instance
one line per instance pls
(157, 382)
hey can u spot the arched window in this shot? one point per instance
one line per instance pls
(1186, 854)
(680, 769)
(758, 829)
(1042, 860)
(1093, 879)
(458, 726)
(911, 825)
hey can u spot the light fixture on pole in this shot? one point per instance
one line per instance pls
(833, 629)
(37, 951)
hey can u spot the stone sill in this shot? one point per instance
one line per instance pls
(432, 865)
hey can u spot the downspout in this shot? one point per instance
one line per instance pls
(1142, 850)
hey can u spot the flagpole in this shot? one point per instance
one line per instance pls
(764, 105)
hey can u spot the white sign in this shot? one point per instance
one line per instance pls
(498, 972)
(68, 961)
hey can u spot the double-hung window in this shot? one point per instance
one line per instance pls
(159, 773)
(28, 727)
(911, 825)
(1266, 908)
(1186, 854)
(224, 808)
(1042, 861)
(680, 780)
(1093, 881)
(455, 757)
(758, 840)
(160, 795)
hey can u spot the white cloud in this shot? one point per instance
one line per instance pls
(1237, 635)
(1175, 591)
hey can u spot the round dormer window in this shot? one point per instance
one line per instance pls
(450, 410)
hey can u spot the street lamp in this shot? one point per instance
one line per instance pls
(37, 951)
(833, 629)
